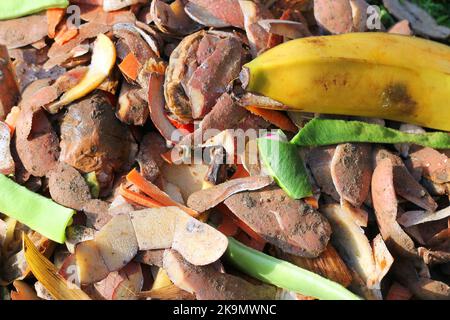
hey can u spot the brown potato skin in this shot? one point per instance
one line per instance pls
(385, 205)
(9, 91)
(68, 187)
(289, 224)
(351, 171)
(404, 183)
(93, 139)
(334, 16)
(37, 147)
(209, 284)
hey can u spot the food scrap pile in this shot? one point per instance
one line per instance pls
(224, 149)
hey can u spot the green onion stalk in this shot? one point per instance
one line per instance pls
(284, 274)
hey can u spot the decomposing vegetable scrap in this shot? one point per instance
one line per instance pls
(140, 142)
(48, 218)
(319, 132)
(103, 59)
(284, 274)
(20, 8)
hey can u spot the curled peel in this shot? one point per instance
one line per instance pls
(103, 60)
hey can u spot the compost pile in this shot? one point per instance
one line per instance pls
(182, 149)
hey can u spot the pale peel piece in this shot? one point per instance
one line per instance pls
(385, 205)
(383, 259)
(103, 60)
(319, 162)
(404, 183)
(189, 178)
(48, 94)
(434, 257)
(360, 216)
(124, 284)
(198, 242)
(76, 234)
(208, 283)
(351, 241)
(90, 265)
(203, 200)
(68, 268)
(6, 161)
(334, 16)
(156, 105)
(217, 13)
(435, 165)
(16, 33)
(174, 192)
(257, 36)
(113, 5)
(154, 227)
(286, 28)
(172, 18)
(359, 15)
(117, 242)
(150, 36)
(351, 171)
(120, 205)
(401, 27)
(180, 68)
(131, 285)
(412, 218)
(150, 257)
(223, 139)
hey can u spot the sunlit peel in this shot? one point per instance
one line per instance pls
(103, 60)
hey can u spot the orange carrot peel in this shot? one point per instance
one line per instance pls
(11, 118)
(275, 117)
(65, 34)
(228, 227)
(138, 198)
(242, 225)
(130, 66)
(54, 17)
(155, 193)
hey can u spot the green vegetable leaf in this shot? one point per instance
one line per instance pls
(320, 132)
(11, 9)
(284, 274)
(283, 161)
(37, 212)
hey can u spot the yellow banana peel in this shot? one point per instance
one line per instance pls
(46, 273)
(362, 74)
